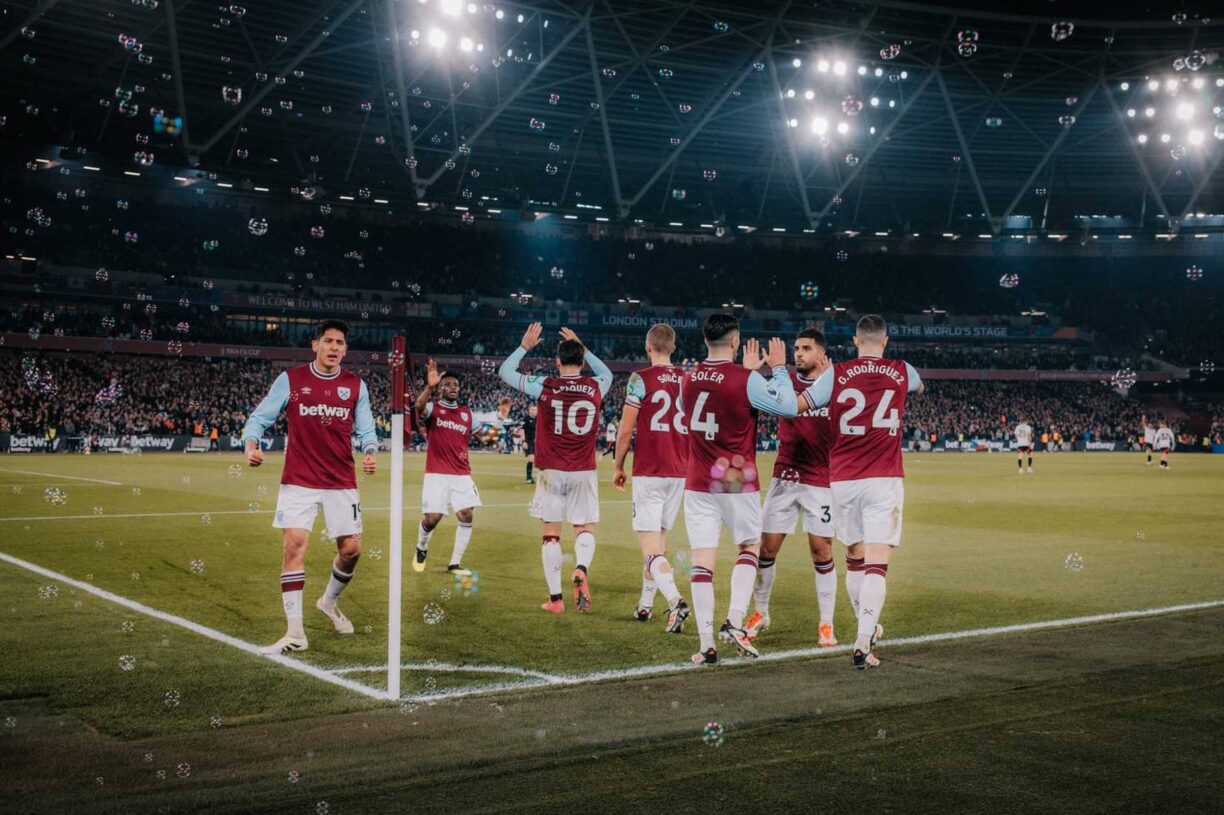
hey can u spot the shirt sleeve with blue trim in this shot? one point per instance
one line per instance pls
(820, 392)
(635, 391)
(265, 413)
(915, 381)
(363, 422)
(603, 374)
(530, 384)
(775, 395)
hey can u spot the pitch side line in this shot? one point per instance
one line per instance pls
(204, 631)
(71, 477)
(560, 680)
(450, 667)
(200, 512)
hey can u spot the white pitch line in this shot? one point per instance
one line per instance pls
(58, 475)
(225, 512)
(560, 680)
(202, 630)
(450, 667)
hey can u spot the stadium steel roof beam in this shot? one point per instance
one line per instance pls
(1198, 190)
(906, 107)
(1134, 151)
(41, 9)
(711, 110)
(268, 87)
(514, 94)
(1049, 153)
(964, 146)
(401, 94)
(172, 36)
(621, 209)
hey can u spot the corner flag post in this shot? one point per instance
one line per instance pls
(399, 385)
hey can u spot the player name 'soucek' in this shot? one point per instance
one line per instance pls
(577, 387)
(673, 378)
(870, 367)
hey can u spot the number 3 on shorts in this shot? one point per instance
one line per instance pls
(824, 514)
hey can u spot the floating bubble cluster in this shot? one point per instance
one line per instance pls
(1123, 379)
(433, 614)
(1194, 273)
(808, 290)
(1009, 281)
(1074, 562)
(713, 734)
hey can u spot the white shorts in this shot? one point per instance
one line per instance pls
(296, 508)
(787, 499)
(656, 502)
(442, 493)
(566, 496)
(705, 513)
(868, 510)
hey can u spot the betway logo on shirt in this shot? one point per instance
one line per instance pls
(449, 425)
(870, 367)
(813, 413)
(323, 410)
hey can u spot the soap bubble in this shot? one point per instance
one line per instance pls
(1075, 562)
(713, 734)
(258, 226)
(433, 614)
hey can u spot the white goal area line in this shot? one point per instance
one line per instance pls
(530, 680)
(202, 630)
(527, 679)
(61, 475)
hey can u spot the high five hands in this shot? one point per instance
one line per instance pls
(775, 355)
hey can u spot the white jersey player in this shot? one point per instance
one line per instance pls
(1164, 443)
(1024, 445)
(1149, 438)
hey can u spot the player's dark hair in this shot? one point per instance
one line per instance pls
(871, 325)
(450, 375)
(328, 325)
(570, 352)
(717, 328)
(815, 335)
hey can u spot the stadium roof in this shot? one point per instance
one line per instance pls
(830, 115)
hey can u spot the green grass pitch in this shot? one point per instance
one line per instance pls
(982, 546)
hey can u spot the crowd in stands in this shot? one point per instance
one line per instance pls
(1140, 302)
(86, 394)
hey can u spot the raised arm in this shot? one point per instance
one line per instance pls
(432, 378)
(533, 386)
(603, 374)
(776, 395)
